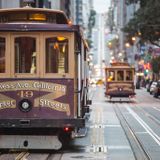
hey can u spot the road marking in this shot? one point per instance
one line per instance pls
(144, 125)
(119, 147)
(97, 131)
(113, 125)
(156, 109)
(98, 148)
(105, 125)
(141, 132)
(22, 155)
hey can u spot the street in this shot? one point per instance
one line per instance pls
(62, 63)
(116, 131)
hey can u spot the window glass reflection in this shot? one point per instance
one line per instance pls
(111, 76)
(57, 55)
(25, 55)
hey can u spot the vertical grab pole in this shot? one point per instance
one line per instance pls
(79, 84)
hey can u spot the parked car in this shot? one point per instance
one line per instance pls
(153, 85)
(156, 91)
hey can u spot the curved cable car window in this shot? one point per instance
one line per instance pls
(33, 16)
(2, 54)
(57, 55)
(25, 55)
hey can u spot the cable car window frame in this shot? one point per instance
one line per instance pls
(40, 39)
(109, 72)
(70, 37)
(6, 74)
(56, 55)
(25, 58)
(123, 76)
(131, 74)
(24, 75)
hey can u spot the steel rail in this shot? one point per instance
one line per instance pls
(137, 147)
(22, 156)
(150, 115)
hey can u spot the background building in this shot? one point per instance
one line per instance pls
(9, 3)
(119, 16)
(77, 10)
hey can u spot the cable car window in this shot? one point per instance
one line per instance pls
(17, 17)
(120, 75)
(111, 76)
(25, 55)
(2, 55)
(129, 76)
(57, 55)
(37, 17)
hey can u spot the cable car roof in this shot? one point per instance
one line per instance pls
(33, 14)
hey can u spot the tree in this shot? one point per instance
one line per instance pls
(146, 21)
(142, 2)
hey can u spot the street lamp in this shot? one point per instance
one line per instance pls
(127, 45)
(133, 39)
(120, 54)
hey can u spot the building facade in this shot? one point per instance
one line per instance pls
(122, 13)
(9, 4)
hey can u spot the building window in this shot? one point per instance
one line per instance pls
(24, 3)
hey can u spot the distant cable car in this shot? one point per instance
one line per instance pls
(119, 80)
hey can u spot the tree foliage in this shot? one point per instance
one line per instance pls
(142, 2)
(92, 18)
(146, 21)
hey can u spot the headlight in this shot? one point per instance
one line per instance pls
(25, 105)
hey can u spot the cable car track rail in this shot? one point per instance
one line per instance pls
(150, 115)
(31, 155)
(22, 156)
(134, 141)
